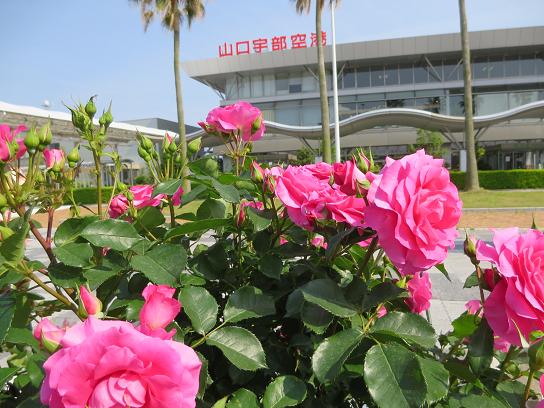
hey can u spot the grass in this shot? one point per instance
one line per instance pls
(502, 199)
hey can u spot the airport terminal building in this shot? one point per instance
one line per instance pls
(389, 88)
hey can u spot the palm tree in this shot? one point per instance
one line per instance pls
(471, 183)
(172, 13)
(305, 6)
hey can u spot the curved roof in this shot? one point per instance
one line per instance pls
(399, 117)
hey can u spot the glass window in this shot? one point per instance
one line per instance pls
(495, 67)
(527, 65)
(406, 74)
(435, 71)
(282, 84)
(479, 68)
(431, 104)
(349, 78)
(376, 76)
(363, 77)
(395, 103)
(511, 66)
(370, 105)
(346, 110)
(420, 74)
(256, 86)
(391, 74)
(269, 84)
(267, 109)
(244, 83)
(516, 99)
(457, 105)
(288, 113)
(231, 88)
(309, 83)
(295, 82)
(539, 64)
(451, 70)
(311, 112)
(487, 104)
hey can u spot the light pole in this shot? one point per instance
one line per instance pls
(335, 89)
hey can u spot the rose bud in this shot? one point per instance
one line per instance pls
(91, 304)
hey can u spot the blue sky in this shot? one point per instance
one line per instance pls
(67, 50)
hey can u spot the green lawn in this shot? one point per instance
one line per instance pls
(498, 199)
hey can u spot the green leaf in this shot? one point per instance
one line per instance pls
(240, 347)
(471, 281)
(162, 265)
(381, 293)
(512, 392)
(115, 234)
(200, 306)
(465, 325)
(99, 274)
(436, 379)
(243, 398)
(228, 192)
(333, 352)
(284, 391)
(21, 336)
(393, 377)
(12, 249)
(261, 220)
(196, 192)
(326, 294)
(211, 208)
(221, 403)
(442, 269)
(74, 254)
(315, 318)
(407, 326)
(246, 303)
(149, 218)
(71, 229)
(271, 266)
(480, 348)
(168, 187)
(6, 374)
(35, 372)
(66, 276)
(7, 311)
(196, 226)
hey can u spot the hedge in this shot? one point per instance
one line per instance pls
(503, 179)
(88, 195)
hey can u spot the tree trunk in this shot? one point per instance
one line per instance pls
(326, 142)
(179, 103)
(471, 178)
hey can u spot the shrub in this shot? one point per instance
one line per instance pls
(503, 179)
(88, 195)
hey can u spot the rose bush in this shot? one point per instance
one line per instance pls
(266, 287)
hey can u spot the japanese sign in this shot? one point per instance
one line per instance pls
(276, 43)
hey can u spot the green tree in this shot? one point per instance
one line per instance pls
(472, 183)
(431, 141)
(305, 6)
(172, 14)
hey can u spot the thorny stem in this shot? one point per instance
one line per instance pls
(370, 250)
(479, 276)
(530, 376)
(98, 182)
(54, 293)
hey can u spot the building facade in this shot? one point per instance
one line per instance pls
(424, 73)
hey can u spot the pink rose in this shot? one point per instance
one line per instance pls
(242, 211)
(283, 241)
(91, 303)
(8, 143)
(517, 300)
(142, 196)
(118, 206)
(158, 311)
(318, 241)
(323, 171)
(348, 177)
(473, 306)
(419, 288)
(414, 208)
(501, 344)
(541, 382)
(241, 118)
(49, 335)
(382, 311)
(54, 159)
(307, 195)
(268, 175)
(111, 364)
(176, 198)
